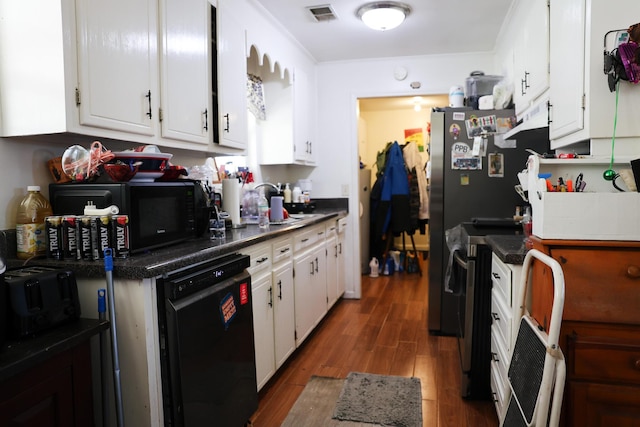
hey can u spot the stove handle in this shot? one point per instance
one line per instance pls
(461, 262)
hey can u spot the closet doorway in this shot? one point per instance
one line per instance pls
(382, 120)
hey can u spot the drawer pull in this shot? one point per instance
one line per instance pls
(496, 275)
(633, 271)
(304, 240)
(261, 260)
(495, 398)
(495, 316)
(494, 357)
(285, 250)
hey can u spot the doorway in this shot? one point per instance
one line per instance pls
(382, 120)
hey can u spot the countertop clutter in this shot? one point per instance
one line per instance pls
(160, 261)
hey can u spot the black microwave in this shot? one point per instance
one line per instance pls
(160, 213)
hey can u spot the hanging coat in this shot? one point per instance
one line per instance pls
(413, 159)
(395, 192)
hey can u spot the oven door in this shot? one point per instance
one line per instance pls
(465, 270)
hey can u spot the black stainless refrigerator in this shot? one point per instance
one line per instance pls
(464, 186)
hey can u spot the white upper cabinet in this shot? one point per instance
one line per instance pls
(582, 107)
(117, 65)
(232, 80)
(184, 70)
(303, 117)
(531, 53)
(131, 71)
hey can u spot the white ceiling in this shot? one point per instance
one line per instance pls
(433, 27)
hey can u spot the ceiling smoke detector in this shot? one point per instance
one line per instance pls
(322, 13)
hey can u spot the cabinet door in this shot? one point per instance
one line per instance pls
(303, 112)
(332, 270)
(567, 67)
(232, 80)
(117, 65)
(284, 313)
(304, 282)
(320, 283)
(342, 264)
(532, 54)
(184, 70)
(263, 328)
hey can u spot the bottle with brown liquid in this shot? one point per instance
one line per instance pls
(30, 228)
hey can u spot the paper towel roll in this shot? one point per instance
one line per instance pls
(231, 199)
(276, 208)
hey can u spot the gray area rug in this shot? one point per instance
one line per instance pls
(380, 399)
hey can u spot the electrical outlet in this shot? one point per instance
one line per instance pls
(345, 189)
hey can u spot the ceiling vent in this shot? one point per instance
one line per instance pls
(322, 13)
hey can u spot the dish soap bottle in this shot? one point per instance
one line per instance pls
(263, 211)
(287, 193)
(296, 194)
(30, 230)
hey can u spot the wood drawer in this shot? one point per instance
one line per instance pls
(501, 279)
(307, 238)
(602, 405)
(608, 359)
(501, 318)
(282, 249)
(601, 284)
(260, 258)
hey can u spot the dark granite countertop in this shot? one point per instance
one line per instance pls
(19, 355)
(160, 261)
(509, 248)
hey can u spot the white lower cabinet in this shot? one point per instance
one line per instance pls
(332, 263)
(505, 318)
(284, 322)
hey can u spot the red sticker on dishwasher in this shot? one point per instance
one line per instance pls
(227, 310)
(244, 293)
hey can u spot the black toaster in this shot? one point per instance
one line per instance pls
(39, 298)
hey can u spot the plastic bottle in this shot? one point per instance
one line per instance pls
(30, 229)
(263, 211)
(295, 194)
(287, 193)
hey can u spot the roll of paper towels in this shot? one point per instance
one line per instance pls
(231, 199)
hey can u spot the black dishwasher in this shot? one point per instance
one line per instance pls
(207, 351)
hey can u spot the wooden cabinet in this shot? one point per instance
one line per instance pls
(46, 380)
(505, 316)
(600, 333)
(118, 70)
(310, 280)
(303, 116)
(232, 79)
(531, 54)
(184, 71)
(582, 107)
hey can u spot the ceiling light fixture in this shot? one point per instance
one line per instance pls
(383, 15)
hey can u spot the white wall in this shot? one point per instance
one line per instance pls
(340, 84)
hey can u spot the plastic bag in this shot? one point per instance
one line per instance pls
(502, 94)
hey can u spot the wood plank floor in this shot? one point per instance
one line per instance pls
(385, 332)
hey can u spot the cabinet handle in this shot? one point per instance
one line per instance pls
(261, 260)
(310, 147)
(226, 128)
(633, 271)
(285, 250)
(316, 264)
(495, 316)
(312, 273)
(522, 88)
(280, 289)
(494, 357)
(495, 399)
(270, 296)
(336, 251)
(340, 244)
(304, 240)
(496, 275)
(148, 96)
(206, 120)
(526, 80)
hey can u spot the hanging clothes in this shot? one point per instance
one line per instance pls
(413, 159)
(395, 192)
